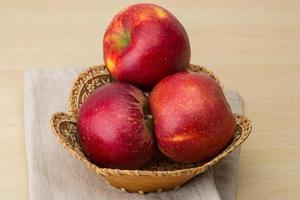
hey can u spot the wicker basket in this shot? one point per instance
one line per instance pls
(162, 173)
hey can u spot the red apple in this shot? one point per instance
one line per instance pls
(113, 127)
(192, 119)
(145, 43)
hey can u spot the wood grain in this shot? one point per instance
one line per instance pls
(253, 46)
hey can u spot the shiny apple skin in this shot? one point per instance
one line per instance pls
(145, 43)
(192, 119)
(112, 129)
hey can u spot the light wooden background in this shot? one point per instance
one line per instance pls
(253, 46)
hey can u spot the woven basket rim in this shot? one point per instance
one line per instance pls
(243, 122)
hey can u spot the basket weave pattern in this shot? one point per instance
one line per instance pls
(161, 173)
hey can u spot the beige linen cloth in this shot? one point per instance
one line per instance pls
(55, 175)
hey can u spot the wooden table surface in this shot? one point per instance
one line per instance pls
(253, 46)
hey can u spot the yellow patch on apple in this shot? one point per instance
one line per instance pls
(110, 64)
(160, 13)
(182, 137)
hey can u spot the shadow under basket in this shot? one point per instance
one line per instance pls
(159, 175)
